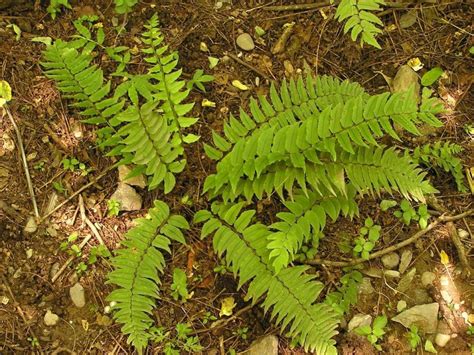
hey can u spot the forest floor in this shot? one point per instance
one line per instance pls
(440, 35)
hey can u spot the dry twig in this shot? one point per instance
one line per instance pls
(404, 243)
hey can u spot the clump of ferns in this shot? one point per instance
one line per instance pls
(143, 120)
(314, 144)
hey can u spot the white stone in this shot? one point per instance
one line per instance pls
(442, 339)
(127, 197)
(359, 320)
(245, 42)
(78, 295)
(31, 225)
(401, 305)
(405, 260)
(50, 318)
(267, 345)
(138, 181)
(391, 260)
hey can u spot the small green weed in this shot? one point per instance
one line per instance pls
(179, 287)
(113, 208)
(241, 332)
(375, 332)
(173, 343)
(55, 7)
(414, 338)
(368, 236)
(408, 214)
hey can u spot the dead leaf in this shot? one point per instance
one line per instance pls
(444, 257)
(227, 306)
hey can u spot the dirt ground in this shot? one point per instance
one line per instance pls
(441, 36)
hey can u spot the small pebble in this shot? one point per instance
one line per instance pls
(31, 225)
(442, 339)
(401, 305)
(405, 260)
(50, 318)
(245, 42)
(78, 295)
(391, 260)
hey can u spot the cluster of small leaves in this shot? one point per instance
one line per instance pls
(179, 287)
(360, 20)
(408, 214)
(375, 332)
(442, 155)
(124, 6)
(113, 208)
(369, 234)
(414, 338)
(174, 342)
(55, 6)
(346, 294)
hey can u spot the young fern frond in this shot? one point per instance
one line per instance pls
(304, 220)
(360, 20)
(295, 101)
(442, 155)
(136, 269)
(290, 294)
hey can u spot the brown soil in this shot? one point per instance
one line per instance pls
(441, 36)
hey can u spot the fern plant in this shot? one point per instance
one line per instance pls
(360, 20)
(142, 120)
(136, 269)
(317, 154)
(442, 155)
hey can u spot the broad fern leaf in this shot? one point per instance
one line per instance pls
(360, 20)
(290, 295)
(295, 101)
(136, 269)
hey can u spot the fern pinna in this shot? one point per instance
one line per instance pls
(317, 154)
(141, 120)
(136, 269)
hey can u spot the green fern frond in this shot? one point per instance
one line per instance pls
(295, 101)
(169, 89)
(136, 269)
(360, 20)
(305, 219)
(81, 82)
(442, 155)
(147, 141)
(290, 294)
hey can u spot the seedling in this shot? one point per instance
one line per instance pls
(58, 186)
(407, 214)
(368, 236)
(413, 337)
(208, 317)
(375, 332)
(241, 332)
(346, 295)
(113, 208)
(73, 164)
(180, 341)
(179, 287)
(55, 7)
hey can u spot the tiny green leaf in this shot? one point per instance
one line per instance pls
(429, 347)
(431, 76)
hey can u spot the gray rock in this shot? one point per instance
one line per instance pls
(406, 281)
(54, 269)
(50, 318)
(267, 345)
(245, 42)
(358, 321)
(442, 339)
(405, 260)
(424, 316)
(390, 261)
(78, 295)
(365, 287)
(138, 181)
(427, 278)
(406, 79)
(127, 197)
(373, 272)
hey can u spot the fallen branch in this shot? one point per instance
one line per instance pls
(24, 161)
(89, 223)
(319, 4)
(460, 248)
(402, 244)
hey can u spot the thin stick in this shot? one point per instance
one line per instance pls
(25, 162)
(459, 247)
(70, 259)
(89, 223)
(245, 64)
(404, 243)
(317, 5)
(86, 186)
